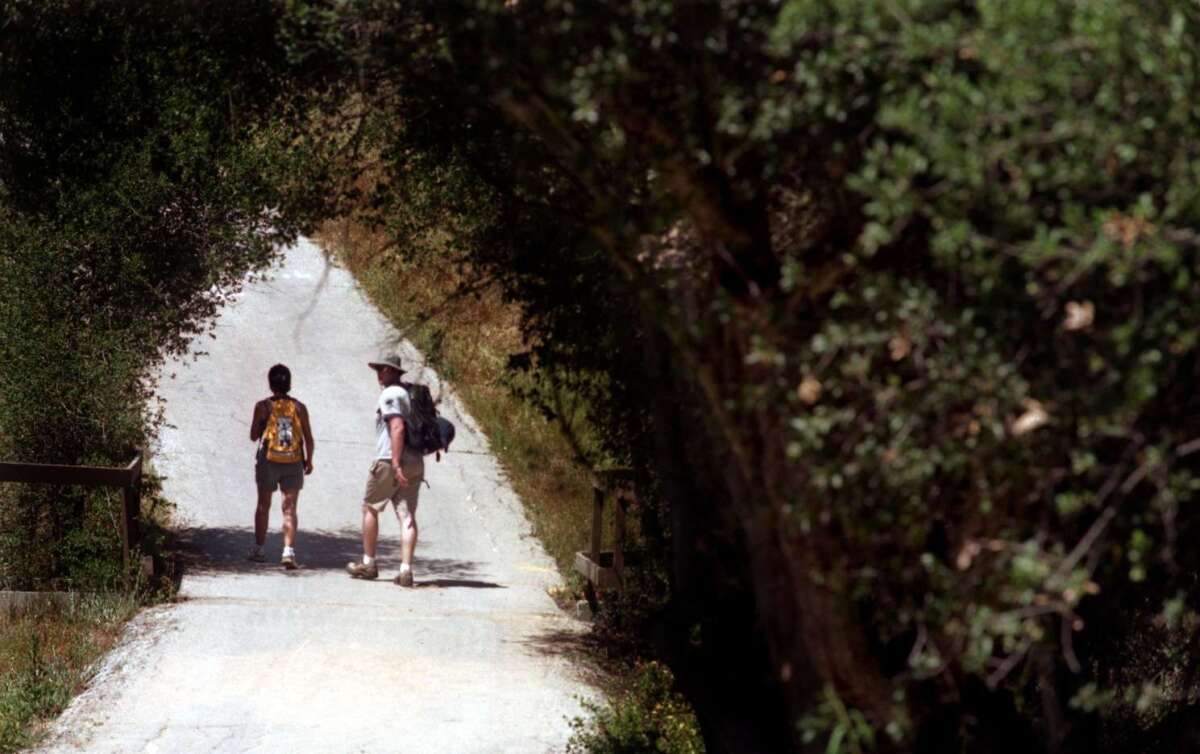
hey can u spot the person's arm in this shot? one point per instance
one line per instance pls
(259, 421)
(396, 431)
(306, 425)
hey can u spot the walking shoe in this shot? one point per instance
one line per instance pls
(362, 571)
(256, 555)
(404, 579)
(289, 562)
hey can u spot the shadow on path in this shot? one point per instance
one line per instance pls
(577, 644)
(224, 550)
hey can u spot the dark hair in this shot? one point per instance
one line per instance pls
(280, 378)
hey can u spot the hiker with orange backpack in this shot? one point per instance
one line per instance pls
(283, 459)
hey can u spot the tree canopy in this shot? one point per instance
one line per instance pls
(140, 147)
(891, 305)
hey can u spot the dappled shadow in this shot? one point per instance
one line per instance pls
(440, 573)
(224, 550)
(578, 644)
(580, 649)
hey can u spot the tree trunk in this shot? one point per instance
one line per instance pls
(713, 639)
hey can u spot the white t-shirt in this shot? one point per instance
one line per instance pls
(393, 401)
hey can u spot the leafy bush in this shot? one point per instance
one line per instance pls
(892, 305)
(142, 147)
(46, 656)
(648, 716)
(892, 302)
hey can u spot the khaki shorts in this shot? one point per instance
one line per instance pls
(382, 488)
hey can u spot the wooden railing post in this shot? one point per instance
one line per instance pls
(131, 512)
(604, 570)
(597, 521)
(619, 539)
(129, 478)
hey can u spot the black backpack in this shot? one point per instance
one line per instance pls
(425, 431)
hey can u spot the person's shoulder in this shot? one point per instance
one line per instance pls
(300, 405)
(392, 391)
(393, 401)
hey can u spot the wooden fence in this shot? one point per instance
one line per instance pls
(128, 477)
(605, 569)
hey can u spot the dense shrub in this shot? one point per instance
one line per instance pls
(46, 655)
(647, 716)
(137, 163)
(892, 305)
(905, 291)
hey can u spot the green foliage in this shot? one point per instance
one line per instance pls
(136, 169)
(847, 729)
(37, 691)
(893, 302)
(648, 716)
(892, 305)
(46, 656)
(1026, 396)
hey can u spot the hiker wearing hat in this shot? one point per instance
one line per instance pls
(283, 459)
(395, 475)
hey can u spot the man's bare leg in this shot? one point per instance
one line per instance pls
(408, 542)
(290, 520)
(262, 516)
(370, 531)
(408, 538)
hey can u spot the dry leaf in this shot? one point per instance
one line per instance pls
(963, 561)
(1035, 416)
(1079, 315)
(970, 549)
(1126, 230)
(899, 346)
(809, 390)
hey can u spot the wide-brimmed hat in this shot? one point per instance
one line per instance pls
(387, 360)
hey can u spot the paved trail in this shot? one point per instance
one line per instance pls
(256, 659)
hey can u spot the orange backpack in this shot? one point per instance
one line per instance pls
(283, 432)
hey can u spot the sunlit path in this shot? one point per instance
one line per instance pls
(254, 658)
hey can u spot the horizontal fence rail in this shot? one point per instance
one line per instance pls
(128, 477)
(96, 476)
